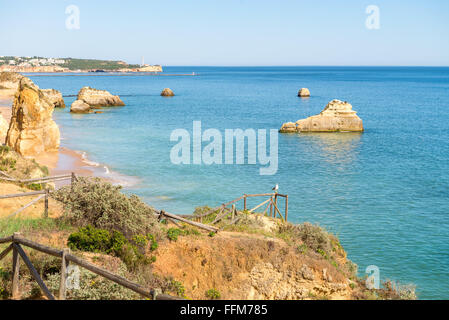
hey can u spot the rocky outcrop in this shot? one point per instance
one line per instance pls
(167, 92)
(29, 69)
(148, 68)
(3, 129)
(32, 130)
(99, 98)
(55, 97)
(336, 116)
(303, 93)
(10, 80)
(79, 106)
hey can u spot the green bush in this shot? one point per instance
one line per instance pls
(173, 233)
(95, 202)
(213, 294)
(153, 243)
(91, 239)
(178, 288)
(35, 186)
(313, 237)
(4, 150)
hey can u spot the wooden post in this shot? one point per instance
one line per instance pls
(275, 203)
(286, 207)
(233, 212)
(63, 283)
(46, 204)
(72, 180)
(244, 202)
(161, 215)
(15, 270)
(271, 208)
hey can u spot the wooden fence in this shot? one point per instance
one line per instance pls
(17, 241)
(271, 207)
(40, 194)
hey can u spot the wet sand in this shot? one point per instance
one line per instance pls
(65, 160)
(61, 162)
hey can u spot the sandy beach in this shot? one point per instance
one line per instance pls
(61, 162)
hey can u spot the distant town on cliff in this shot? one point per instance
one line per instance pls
(41, 64)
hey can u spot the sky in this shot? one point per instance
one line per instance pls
(231, 32)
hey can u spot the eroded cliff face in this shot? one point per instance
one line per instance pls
(244, 266)
(55, 97)
(32, 130)
(3, 128)
(336, 116)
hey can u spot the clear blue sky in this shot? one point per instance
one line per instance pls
(231, 32)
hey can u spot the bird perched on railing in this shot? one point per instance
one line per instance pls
(275, 188)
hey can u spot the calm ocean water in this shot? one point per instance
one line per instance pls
(385, 192)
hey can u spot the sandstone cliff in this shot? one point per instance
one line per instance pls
(32, 130)
(79, 106)
(336, 116)
(148, 68)
(3, 129)
(99, 98)
(10, 80)
(55, 97)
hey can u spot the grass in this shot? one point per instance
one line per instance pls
(11, 225)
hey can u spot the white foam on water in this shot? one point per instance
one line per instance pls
(103, 171)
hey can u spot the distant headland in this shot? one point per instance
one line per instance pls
(41, 64)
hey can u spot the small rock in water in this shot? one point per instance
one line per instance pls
(304, 92)
(167, 92)
(79, 106)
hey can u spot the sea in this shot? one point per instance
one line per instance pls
(383, 192)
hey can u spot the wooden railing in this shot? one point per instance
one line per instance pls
(41, 194)
(17, 241)
(271, 202)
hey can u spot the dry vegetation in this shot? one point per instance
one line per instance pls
(256, 258)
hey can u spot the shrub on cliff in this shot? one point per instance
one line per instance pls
(94, 287)
(131, 252)
(312, 236)
(92, 201)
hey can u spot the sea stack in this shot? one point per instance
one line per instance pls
(55, 97)
(337, 116)
(167, 92)
(32, 130)
(79, 106)
(99, 98)
(304, 93)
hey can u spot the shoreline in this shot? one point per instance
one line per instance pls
(67, 160)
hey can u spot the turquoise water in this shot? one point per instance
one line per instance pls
(385, 192)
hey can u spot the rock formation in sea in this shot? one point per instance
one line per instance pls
(10, 80)
(304, 92)
(55, 97)
(99, 98)
(336, 116)
(32, 130)
(167, 92)
(79, 106)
